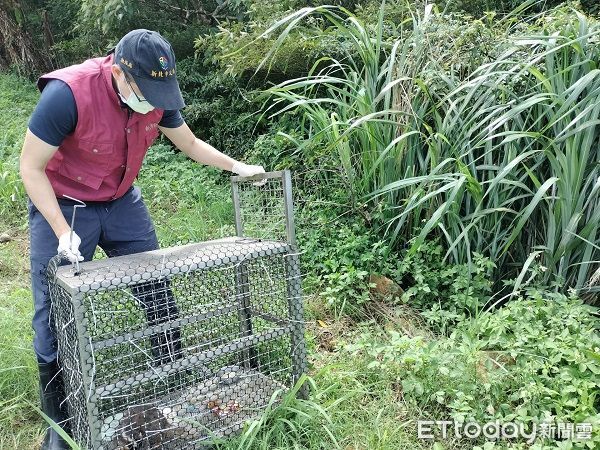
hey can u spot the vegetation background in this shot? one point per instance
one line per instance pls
(446, 160)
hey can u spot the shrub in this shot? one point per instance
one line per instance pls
(591, 7)
(219, 108)
(84, 29)
(445, 294)
(238, 52)
(275, 149)
(477, 7)
(341, 255)
(536, 360)
(239, 47)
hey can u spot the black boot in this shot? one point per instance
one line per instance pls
(51, 395)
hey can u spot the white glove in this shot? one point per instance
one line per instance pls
(246, 170)
(69, 247)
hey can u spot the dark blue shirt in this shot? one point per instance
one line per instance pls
(55, 115)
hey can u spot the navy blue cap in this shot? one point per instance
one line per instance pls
(149, 59)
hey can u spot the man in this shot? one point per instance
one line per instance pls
(87, 139)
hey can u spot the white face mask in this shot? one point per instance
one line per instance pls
(142, 107)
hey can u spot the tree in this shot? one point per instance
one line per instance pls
(17, 47)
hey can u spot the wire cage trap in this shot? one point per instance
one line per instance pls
(170, 348)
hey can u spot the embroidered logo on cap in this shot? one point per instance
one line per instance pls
(163, 62)
(126, 63)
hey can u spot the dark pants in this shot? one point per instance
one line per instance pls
(119, 227)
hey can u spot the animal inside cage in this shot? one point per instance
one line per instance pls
(170, 348)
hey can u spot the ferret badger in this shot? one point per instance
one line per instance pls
(140, 427)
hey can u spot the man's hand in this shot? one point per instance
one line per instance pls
(68, 246)
(246, 170)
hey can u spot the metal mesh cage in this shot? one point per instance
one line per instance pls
(169, 348)
(264, 209)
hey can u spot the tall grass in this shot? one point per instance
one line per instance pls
(520, 143)
(16, 103)
(504, 162)
(290, 423)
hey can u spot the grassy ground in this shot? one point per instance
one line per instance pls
(19, 424)
(188, 203)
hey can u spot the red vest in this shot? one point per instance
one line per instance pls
(101, 158)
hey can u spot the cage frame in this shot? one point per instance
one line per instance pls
(295, 328)
(286, 180)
